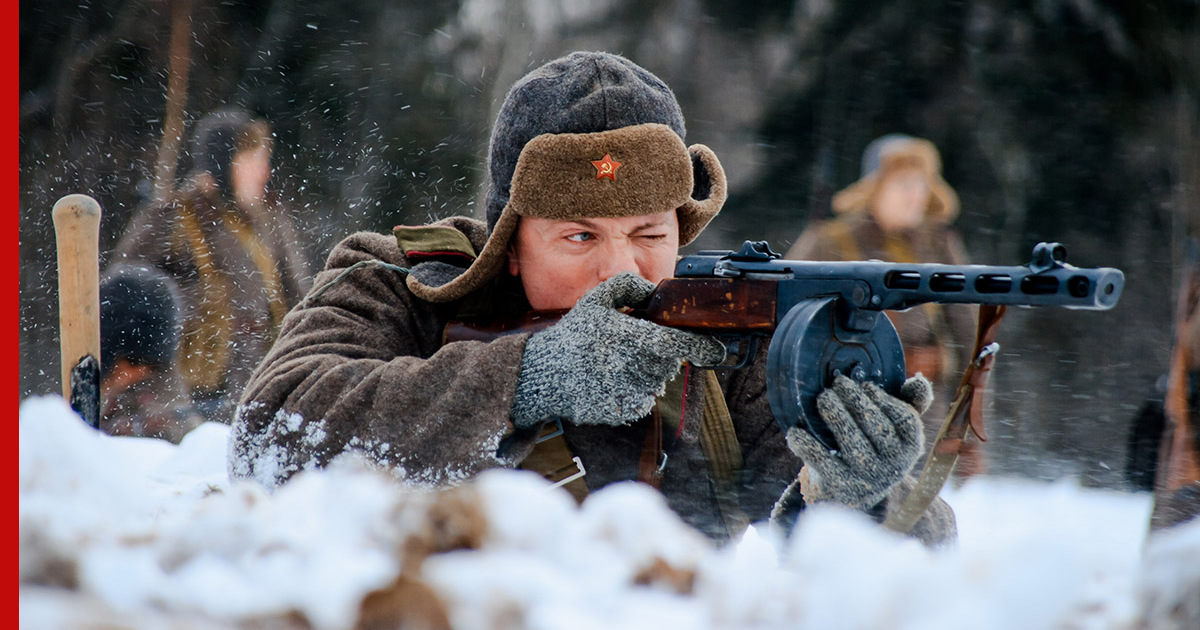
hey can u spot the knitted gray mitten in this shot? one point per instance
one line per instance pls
(879, 438)
(600, 366)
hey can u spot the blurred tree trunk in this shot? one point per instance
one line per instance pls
(178, 68)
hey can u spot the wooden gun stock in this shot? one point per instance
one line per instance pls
(713, 306)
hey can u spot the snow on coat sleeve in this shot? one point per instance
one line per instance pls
(361, 369)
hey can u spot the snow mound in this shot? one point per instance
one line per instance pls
(140, 533)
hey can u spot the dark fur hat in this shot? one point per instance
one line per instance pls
(139, 317)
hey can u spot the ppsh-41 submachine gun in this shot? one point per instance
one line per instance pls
(825, 318)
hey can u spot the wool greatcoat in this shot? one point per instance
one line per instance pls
(361, 368)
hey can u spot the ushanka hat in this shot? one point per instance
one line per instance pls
(588, 135)
(888, 154)
(139, 317)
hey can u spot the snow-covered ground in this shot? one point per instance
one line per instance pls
(138, 533)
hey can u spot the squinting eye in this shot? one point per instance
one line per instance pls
(580, 237)
(651, 238)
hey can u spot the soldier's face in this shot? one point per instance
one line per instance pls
(250, 172)
(902, 199)
(558, 261)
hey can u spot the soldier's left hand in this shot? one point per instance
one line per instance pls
(879, 439)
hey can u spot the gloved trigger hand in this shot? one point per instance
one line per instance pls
(598, 365)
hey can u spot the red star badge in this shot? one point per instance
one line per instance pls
(606, 167)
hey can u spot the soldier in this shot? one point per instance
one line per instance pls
(140, 384)
(901, 210)
(1177, 488)
(592, 191)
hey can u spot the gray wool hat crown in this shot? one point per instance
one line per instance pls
(140, 314)
(583, 92)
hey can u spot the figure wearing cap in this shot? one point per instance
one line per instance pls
(140, 384)
(901, 210)
(232, 251)
(592, 192)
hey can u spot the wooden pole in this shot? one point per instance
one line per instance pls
(77, 233)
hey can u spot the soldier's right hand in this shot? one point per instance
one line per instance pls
(598, 365)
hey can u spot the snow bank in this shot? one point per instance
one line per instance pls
(143, 534)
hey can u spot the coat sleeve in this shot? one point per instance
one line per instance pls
(360, 369)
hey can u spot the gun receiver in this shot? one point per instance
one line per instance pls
(826, 318)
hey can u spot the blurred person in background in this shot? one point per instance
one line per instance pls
(232, 250)
(901, 210)
(141, 389)
(1177, 487)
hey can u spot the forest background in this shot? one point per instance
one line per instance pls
(1075, 121)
